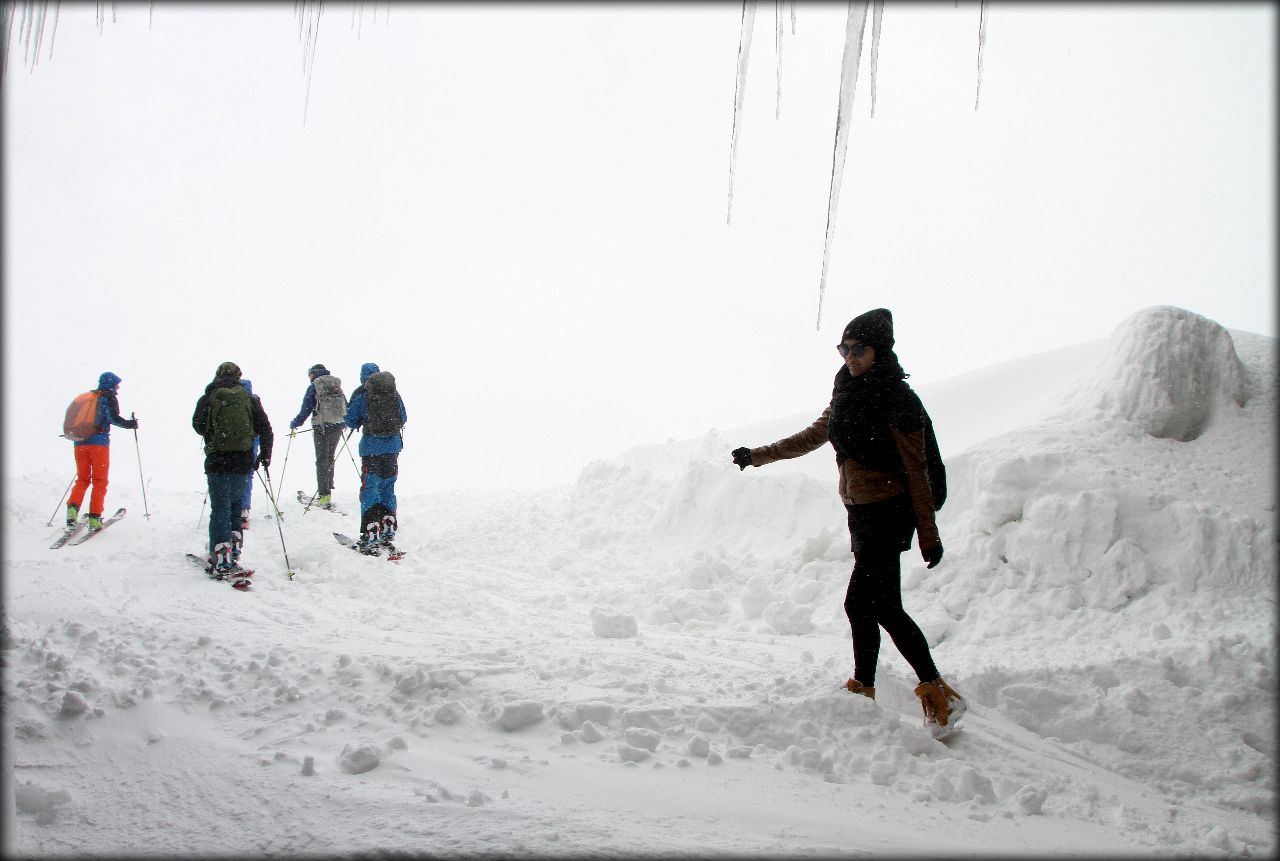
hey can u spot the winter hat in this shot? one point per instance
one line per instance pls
(228, 369)
(874, 327)
(107, 381)
(367, 370)
(317, 369)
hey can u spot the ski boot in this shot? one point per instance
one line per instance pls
(244, 519)
(325, 501)
(95, 522)
(73, 514)
(370, 543)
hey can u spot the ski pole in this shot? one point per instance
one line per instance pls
(287, 448)
(64, 496)
(271, 496)
(202, 504)
(138, 448)
(352, 456)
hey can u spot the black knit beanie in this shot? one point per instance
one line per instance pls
(317, 369)
(874, 327)
(228, 369)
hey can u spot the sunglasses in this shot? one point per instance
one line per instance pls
(858, 350)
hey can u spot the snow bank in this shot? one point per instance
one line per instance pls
(667, 636)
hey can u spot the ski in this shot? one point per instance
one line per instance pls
(68, 532)
(307, 502)
(393, 555)
(239, 579)
(110, 520)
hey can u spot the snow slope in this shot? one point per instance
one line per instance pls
(651, 660)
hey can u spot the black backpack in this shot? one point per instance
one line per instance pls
(933, 461)
(383, 404)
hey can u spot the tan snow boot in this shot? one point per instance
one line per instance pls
(855, 687)
(942, 706)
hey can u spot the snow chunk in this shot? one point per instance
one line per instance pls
(73, 705)
(519, 714)
(605, 623)
(788, 617)
(359, 760)
(1169, 371)
(41, 803)
(705, 605)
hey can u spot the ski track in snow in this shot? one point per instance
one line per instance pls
(652, 660)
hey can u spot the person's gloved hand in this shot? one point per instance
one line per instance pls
(932, 555)
(294, 425)
(742, 457)
(131, 424)
(264, 460)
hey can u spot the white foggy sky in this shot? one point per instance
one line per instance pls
(520, 212)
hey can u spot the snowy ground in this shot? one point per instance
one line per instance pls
(651, 660)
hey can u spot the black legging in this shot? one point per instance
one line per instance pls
(880, 531)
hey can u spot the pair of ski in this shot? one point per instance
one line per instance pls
(240, 578)
(74, 530)
(392, 554)
(309, 503)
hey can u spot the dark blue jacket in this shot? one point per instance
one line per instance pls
(108, 411)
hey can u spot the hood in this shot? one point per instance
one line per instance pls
(367, 370)
(108, 381)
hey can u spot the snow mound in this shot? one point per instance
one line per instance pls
(1167, 370)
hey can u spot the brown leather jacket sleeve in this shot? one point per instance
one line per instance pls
(911, 451)
(812, 437)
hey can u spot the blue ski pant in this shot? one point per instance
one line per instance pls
(226, 489)
(247, 501)
(378, 488)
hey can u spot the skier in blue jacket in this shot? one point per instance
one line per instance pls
(376, 408)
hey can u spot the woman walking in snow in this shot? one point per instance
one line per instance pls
(877, 426)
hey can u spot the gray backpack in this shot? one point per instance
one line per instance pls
(331, 403)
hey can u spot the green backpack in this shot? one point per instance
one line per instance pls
(230, 420)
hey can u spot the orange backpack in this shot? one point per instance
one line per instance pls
(79, 424)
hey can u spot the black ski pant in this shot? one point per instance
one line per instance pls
(880, 532)
(326, 439)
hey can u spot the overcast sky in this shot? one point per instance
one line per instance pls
(520, 212)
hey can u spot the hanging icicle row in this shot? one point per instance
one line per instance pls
(744, 52)
(854, 28)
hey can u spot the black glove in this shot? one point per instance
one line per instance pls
(264, 461)
(742, 457)
(131, 424)
(932, 555)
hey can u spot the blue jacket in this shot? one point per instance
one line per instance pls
(358, 413)
(108, 411)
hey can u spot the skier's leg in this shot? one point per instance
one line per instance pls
(83, 476)
(99, 466)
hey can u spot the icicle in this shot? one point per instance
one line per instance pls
(744, 52)
(982, 41)
(854, 28)
(57, 11)
(777, 43)
(35, 54)
(877, 13)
